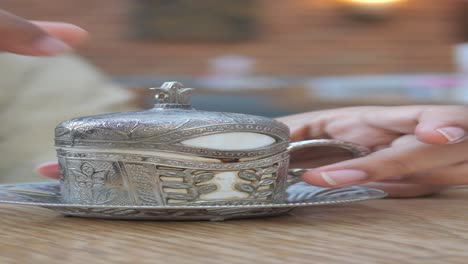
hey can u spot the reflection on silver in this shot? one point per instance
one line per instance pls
(48, 195)
(140, 159)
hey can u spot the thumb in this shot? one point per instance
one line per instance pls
(18, 35)
(446, 125)
(436, 132)
(390, 162)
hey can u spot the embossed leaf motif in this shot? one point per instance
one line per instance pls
(270, 170)
(88, 177)
(263, 194)
(244, 187)
(86, 196)
(248, 175)
(203, 177)
(207, 188)
(99, 178)
(267, 181)
(81, 179)
(105, 195)
(147, 199)
(87, 169)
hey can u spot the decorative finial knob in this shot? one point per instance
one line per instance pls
(172, 95)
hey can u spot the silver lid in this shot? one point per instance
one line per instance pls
(166, 126)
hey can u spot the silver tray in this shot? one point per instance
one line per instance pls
(47, 195)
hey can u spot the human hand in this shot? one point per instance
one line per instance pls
(37, 38)
(417, 150)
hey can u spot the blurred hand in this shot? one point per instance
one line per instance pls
(36, 38)
(49, 169)
(417, 150)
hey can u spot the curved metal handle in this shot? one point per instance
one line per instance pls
(356, 150)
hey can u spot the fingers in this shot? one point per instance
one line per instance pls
(20, 36)
(307, 125)
(68, 33)
(413, 157)
(451, 175)
(431, 124)
(405, 190)
(343, 124)
(50, 170)
(23, 37)
(344, 121)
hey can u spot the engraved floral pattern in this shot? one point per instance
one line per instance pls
(174, 162)
(130, 179)
(141, 130)
(261, 182)
(92, 184)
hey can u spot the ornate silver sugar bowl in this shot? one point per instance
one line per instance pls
(175, 155)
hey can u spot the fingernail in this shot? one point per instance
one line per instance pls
(47, 168)
(340, 177)
(452, 134)
(50, 46)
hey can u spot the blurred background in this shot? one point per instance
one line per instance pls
(260, 57)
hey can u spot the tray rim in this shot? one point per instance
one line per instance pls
(378, 194)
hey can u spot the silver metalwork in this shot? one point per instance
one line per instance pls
(356, 150)
(139, 158)
(47, 195)
(172, 95)
(127, 180)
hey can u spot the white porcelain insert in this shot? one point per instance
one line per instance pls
(231, 141)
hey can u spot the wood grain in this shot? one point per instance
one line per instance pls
(426, 230)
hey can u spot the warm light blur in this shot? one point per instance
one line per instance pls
(372, 1)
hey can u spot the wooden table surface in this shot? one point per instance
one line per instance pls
(426, 230)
